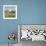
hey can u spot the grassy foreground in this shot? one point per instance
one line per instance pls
(10, 14)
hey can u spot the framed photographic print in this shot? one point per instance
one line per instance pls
(9, 11)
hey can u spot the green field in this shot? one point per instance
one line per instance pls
(10, 14)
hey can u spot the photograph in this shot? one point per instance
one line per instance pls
(9, 11)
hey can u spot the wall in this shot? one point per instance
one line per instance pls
(7, 26)
(29, 12)
(34, 12)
